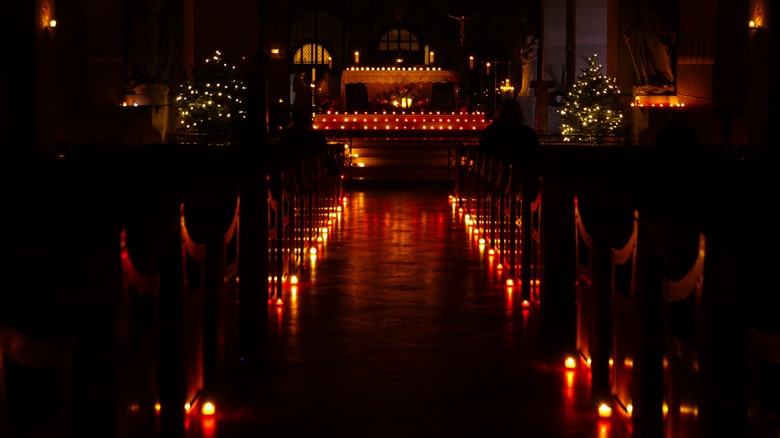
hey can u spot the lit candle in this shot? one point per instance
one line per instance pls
(357, 57)
(605, 411)
(471, 63)
(487, 67)
(330, 63)
(431, 57)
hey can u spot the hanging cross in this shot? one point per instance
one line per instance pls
(462, 22)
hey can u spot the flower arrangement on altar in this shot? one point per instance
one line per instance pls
(402, 97)
(328, 103)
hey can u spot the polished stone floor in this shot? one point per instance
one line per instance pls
(401, 327)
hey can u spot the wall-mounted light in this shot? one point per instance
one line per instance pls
(753, 25)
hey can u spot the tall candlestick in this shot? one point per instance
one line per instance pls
(357, 57)
(330, 63)
(430, 55)
(471, 63)
(487, 67)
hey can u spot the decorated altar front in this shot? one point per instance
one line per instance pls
(396, 87)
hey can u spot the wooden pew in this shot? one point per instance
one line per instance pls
(137, 320)
(684, 330)
(192, 296)
(226, 348)
(511, 256)
(532, 271)
(626, 312)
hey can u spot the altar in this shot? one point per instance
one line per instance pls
(386, 88)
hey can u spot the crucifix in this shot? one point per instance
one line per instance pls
(462, 22)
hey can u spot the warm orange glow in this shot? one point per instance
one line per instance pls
(605, 411)
(657, 101)
(570, 362)
(52, 23)
(209, 426)
(510, 282)
(208, 409)
(570, 384)
(279, 302)
(604, 429)
(187, 406)
(293, 279)
(312, 251)
(157, 408)
(526, 304)
(419, 121)
(689, 410)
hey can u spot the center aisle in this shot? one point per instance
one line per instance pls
(399, 328)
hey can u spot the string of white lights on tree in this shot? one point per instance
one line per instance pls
(213, 100)
(591, 108)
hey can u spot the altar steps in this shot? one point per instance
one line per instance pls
(394, 162)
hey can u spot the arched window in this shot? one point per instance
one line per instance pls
(311, 53)
(399, 40)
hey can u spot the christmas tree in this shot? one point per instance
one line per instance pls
(591, 109)
(213, 101)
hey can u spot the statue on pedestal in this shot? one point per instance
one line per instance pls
(528, 58)
(649, 41)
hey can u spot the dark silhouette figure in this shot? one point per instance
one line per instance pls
(508, 137)
(303, 92)
(677, 136)
(300, 139)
